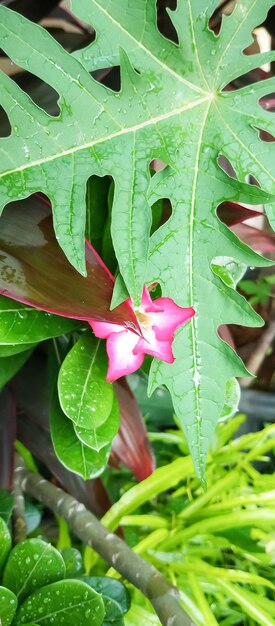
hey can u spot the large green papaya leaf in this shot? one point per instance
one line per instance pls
(172, 106)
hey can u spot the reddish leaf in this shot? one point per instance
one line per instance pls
(259, 240)
(34, 270)
(231, 213)
(7, 438)
(131, 445)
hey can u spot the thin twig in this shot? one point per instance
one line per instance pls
(163, 596)
(19, 520)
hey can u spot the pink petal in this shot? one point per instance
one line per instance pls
(172, 317)
(122, 360)
(104, 329)
(147, 304)
(160, 349)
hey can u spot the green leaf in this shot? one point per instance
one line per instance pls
(248, 602)
(232, 399)
(5, 542)
(111, 588)
(10, 365)
(70, 451)
(67, 602)
(8, 605)
(171, 106)
(6, 504)
(98, 438)
(10, 350)
(32, 564)
(228, 270)
(85, 396)
(25, 325)
(73, 562)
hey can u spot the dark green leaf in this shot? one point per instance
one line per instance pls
(10, 350)
(85, 396)
(5, 542)
(73, 562)
(111, 588)
(66, 603)
(24, 324)
(68, 448)
(98, 438)
(6, 504)
(32, 564)
(10, 365)
(8, 605)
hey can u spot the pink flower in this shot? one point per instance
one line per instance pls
(158, 320)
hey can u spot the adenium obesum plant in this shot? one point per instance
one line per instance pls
(130, 332)
(158, 320)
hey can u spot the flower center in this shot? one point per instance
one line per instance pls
(145, 326)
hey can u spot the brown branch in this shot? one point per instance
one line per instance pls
(254, 362)
(163, 596)
(18, 514)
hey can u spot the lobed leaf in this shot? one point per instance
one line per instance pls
(172, 106)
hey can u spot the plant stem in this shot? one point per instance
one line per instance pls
(19, 520)
(162, 595)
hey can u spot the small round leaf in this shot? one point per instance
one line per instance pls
(32, 564)
(64, 603)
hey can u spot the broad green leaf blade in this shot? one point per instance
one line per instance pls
(8, 605)
(70, 451)
(5, 542)
(67, 602)
(97, 438)
(171, 106)
(12, 349)
(32, 564)
(34, 270)
(10, 365)
(85, 396)
(24, 324)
